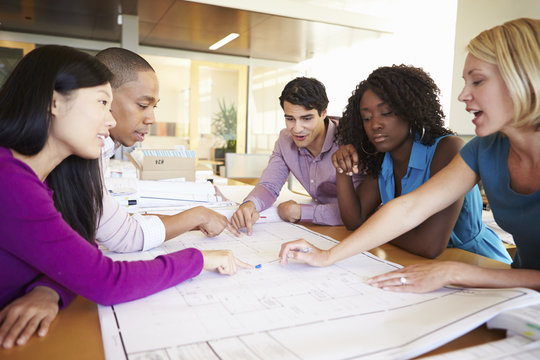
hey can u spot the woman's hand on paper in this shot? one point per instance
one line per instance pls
(214, 223)
(290, 211)
(345, 160)
(223, 261)
(245, 216)
(303, 251)
(27, 315)
(418, 278)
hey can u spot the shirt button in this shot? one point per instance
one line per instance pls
(312, 181)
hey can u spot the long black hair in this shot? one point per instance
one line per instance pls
(25, 119)
(411, 94)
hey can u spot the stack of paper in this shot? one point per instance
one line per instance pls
(523, 341)
(515, 347)
(523, 321)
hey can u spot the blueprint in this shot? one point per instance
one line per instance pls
(293, 311)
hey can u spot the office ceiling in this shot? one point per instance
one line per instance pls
(179, 24)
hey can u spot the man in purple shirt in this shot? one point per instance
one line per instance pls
(305, 148)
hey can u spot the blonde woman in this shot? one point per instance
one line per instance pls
(502, 88)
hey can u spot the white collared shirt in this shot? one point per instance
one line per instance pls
(119, 231)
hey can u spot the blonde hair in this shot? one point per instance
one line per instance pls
(515, 48)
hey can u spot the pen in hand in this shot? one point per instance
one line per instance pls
(304, 250)
(258, 266)
(292, 256)
(299, 249)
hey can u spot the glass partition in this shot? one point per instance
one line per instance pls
(10, 54)
(172, 112)
(218, 109)
(266, 116)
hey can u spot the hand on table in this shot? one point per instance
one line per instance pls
(418, 278)
(27, 315)
(245, 216)
(215, 223)
(290, 211)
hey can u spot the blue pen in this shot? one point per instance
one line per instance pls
(258, 266)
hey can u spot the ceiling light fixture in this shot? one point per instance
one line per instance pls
(224, 41)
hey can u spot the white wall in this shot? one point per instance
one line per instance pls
(174, 83)
(423, 36)
(413, 32)
(474, 16)
(431, 34)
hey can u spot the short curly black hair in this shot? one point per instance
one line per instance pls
(308, 92)
(411, 94)
(124, 64)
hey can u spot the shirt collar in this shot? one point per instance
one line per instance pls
(108, 150)
(417, 160)
(330, 132)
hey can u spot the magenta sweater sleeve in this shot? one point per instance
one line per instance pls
(35, 241)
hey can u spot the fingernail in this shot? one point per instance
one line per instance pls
(340, 171)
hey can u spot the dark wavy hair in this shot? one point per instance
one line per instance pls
(308, 92)
(25, 120)
(411, 94)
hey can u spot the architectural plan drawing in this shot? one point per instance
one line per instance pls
(291, 312)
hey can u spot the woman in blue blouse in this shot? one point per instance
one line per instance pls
(501, 91)
(393, 125)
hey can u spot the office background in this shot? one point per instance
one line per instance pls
(228, 97)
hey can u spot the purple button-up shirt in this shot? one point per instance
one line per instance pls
(316, 174)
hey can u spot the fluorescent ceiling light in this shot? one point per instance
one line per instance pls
(224, 41)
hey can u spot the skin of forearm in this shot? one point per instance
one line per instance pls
(349, 206)
(379, 228)
(475, 276)
(430, 238)
(182, 222)
(421, 243)
(47, 292)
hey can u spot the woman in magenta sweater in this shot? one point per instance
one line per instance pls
(54, 116)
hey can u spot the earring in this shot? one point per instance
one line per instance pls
(364, 150)
(423, 132)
